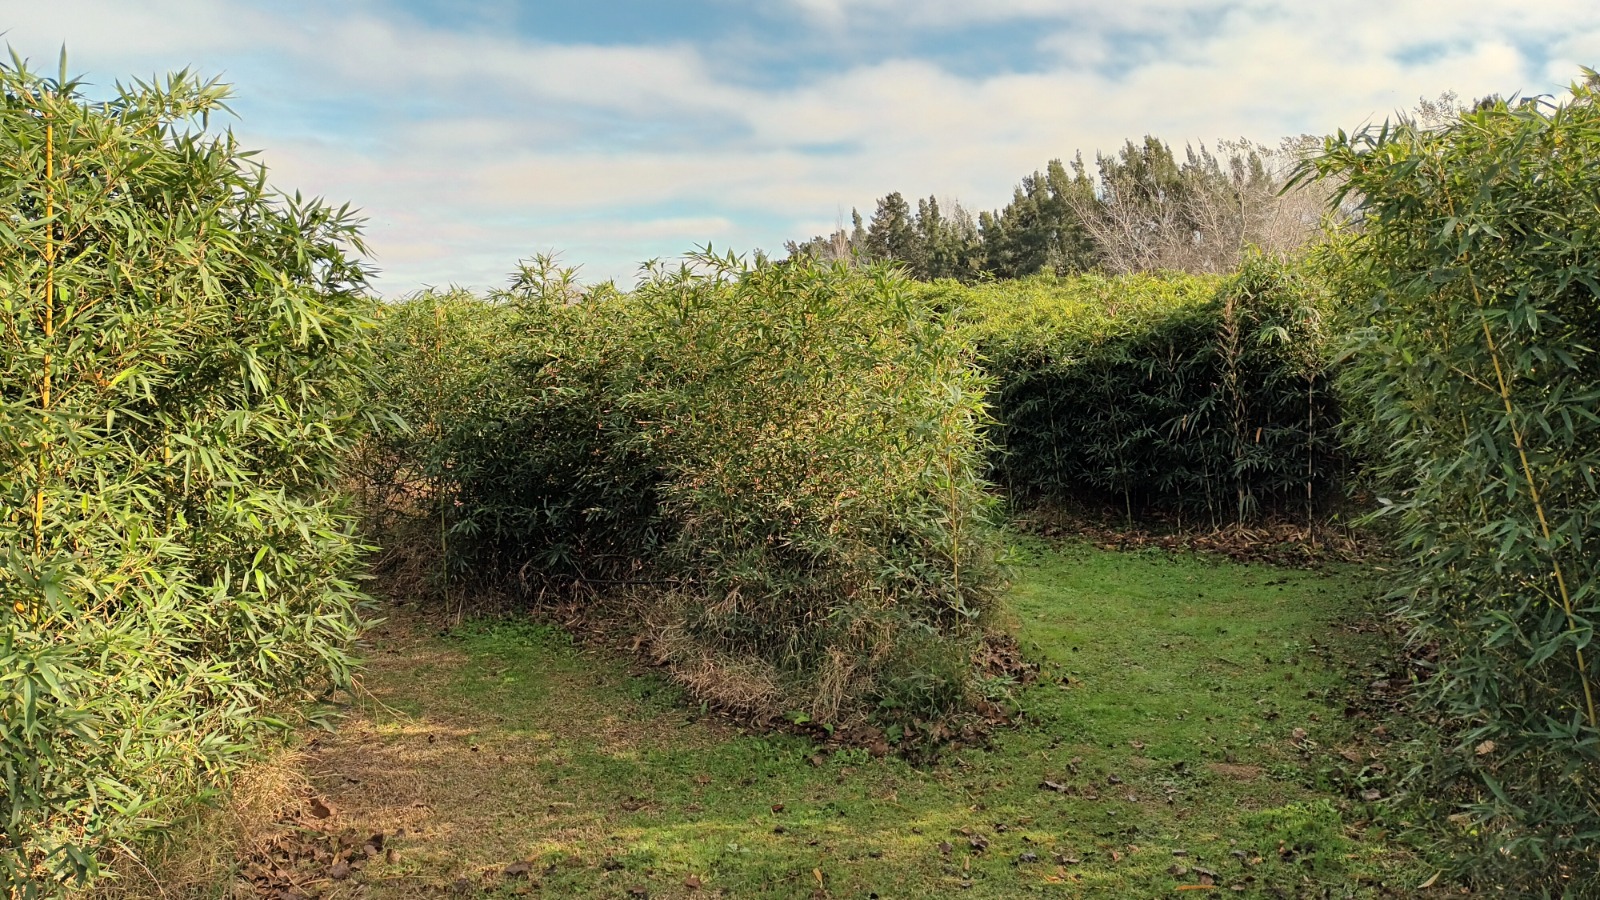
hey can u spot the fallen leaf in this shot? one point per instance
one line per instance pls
(1485, 748)
(692, 883)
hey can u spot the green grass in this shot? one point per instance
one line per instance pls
(1185, 706)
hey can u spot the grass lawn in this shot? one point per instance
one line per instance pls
(1190, 721)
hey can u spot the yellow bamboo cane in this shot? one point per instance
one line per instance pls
(49, 327)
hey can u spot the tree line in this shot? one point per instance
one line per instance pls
(1144, 209)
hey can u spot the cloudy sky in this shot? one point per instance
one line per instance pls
(614, 131)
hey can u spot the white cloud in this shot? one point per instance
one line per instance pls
(469, 148)
(954, 13)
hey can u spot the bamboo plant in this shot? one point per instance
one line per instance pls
(180, 354)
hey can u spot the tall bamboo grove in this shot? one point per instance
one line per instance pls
(1481, 370)
(179, 347)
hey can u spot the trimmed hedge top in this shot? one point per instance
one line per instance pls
(1046, 319)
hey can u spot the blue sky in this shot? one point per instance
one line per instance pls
(473, 134)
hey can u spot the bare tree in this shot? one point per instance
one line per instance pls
(1152, 213)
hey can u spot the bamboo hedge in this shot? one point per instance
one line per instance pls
(1480, 364)
(1206, 399)
(180, 354)
(785, 459)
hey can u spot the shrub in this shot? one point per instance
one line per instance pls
(519, 446)
(1173, 394)
(434, 353)
(819, 437)
(1481, 371)
(180, 352)
(791, 453)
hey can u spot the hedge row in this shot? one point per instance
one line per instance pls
(1479, 372)
(1204, 398)
(788, 456)
(180, 352)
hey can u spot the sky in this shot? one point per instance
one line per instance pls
(611, 132)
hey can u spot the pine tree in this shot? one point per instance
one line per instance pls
(892, 235)
(1041, 230)
(951, 245)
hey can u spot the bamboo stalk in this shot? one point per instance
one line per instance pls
(43, 461)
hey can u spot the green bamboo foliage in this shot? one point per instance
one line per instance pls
(519, 447)
(1482, 380)
(180, 350)
(820, 434)
(1203, 398)
(786, 458)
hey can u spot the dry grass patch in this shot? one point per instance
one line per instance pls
(465, 762)
(197, 858)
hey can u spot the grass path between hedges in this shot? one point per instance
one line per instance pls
(1190, 722)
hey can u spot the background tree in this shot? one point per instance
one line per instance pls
(1041, 230)
(1201, 215)
(1145, 210)
(892, 234)
(951, 245)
